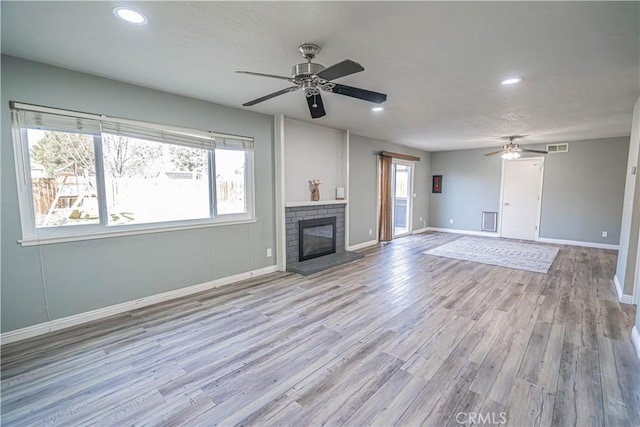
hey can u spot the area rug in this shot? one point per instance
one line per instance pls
(505, 253)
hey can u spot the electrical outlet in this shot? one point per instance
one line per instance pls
(451, 221)
(605, 234)
(370, 232)
(420, 219)
(268, 252)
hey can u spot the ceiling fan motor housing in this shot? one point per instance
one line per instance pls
(305, 70)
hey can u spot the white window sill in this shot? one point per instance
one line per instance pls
(35, 241)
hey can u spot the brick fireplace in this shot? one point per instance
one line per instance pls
(295, 214)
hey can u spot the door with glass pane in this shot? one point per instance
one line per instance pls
(402, 174)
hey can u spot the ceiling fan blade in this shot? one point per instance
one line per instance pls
(316, 107)
(340, 69)
(534, 151)
(251, 73)
(271, 95)
(494, 152)
(364, 94)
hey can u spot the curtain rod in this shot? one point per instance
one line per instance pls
(400, 156)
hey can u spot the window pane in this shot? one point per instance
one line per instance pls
(402, 175)
(230, 182)
(63, 178)
(148, 181)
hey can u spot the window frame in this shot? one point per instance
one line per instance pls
(32, 235)
(249, 195)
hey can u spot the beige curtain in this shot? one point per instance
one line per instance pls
(385, 227)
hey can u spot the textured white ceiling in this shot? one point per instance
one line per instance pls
(440, 63)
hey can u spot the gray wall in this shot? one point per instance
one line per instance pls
(470, 185)
(363, 186)
(81, 276)
(312, 152)
(581, 197)
(583, 191)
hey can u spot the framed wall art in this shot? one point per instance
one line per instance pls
(436, 185)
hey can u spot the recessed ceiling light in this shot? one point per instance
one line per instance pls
(129, 15)
(512, 81)
(377, 109)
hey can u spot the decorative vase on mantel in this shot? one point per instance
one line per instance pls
(314, 185)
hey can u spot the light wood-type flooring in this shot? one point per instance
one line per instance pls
(398, 338)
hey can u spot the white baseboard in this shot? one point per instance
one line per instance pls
(469, 232)
(362, 245)
(635, 339)
(420, 230)
(624, 298)
(78, 319)
(579, 243)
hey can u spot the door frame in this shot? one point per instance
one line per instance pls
(378, 199)
(636, 277)
(412, 165)
(539, 207)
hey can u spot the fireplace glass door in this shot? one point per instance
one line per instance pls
(317, 237)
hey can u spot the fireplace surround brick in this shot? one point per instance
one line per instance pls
(294, 214)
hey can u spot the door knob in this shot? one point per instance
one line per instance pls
(507, 204)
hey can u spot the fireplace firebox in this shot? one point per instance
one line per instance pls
(317, 237)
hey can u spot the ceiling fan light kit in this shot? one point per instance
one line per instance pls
(511, 151)
(314, 78)
(510, 155)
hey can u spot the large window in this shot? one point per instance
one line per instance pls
(81, 174)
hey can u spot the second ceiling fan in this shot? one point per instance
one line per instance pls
(313, 78)
(511, 151)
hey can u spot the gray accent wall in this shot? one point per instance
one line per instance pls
(363, 181)
(582, 192)
(48, 282)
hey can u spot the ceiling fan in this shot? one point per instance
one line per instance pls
(312, 78)
(511, 151)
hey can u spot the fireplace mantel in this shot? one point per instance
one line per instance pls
(318, 203)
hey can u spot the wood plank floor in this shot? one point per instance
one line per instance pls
(399, 338)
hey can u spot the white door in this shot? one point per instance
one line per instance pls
(521, 194)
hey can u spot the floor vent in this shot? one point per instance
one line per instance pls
(558, 148)
(489, 221)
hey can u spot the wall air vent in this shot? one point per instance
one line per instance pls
(558, 148)
(489, 221)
